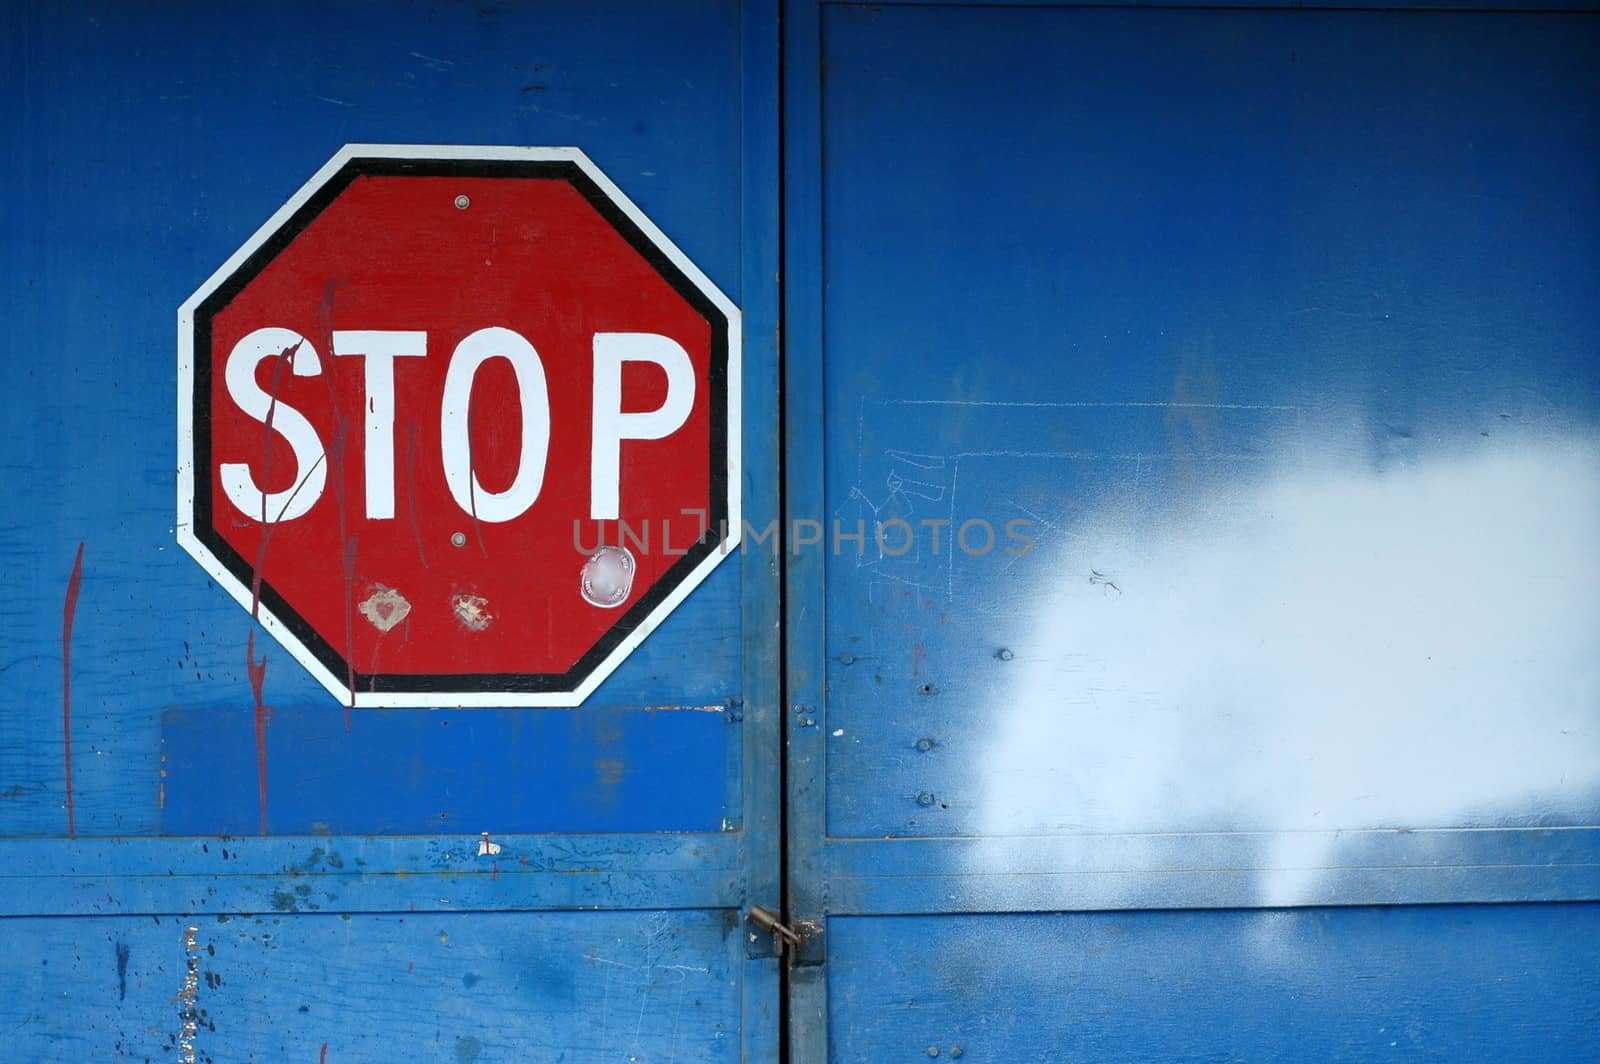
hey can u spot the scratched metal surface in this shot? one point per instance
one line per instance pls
(1277, 329)
(143, 145)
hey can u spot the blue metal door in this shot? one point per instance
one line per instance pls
(192, 871)
(1198, 417)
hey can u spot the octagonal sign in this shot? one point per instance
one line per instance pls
(460, 426)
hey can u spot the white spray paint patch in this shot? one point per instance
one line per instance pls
(1320, 648)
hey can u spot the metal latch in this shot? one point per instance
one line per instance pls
(786, 941)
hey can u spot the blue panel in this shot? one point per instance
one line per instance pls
(143, 147)
(436, 873)
(331, 989)
(1276, 332)
(1450, 984)
(412, 773)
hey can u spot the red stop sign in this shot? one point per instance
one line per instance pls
(460, 425)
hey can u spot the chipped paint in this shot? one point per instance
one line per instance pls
(472, 611)
(487, 847)
(385, 608)
(188, 994)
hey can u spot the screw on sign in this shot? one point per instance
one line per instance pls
(415, 392)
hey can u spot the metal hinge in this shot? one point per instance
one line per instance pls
(786, 941)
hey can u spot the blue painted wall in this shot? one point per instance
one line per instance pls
(1275, 328)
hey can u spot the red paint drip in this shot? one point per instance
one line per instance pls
(336, 455)
(322, 1058)
(349, 624)
(69, 610)
(918, 652)
(257, 670)
(258, 676)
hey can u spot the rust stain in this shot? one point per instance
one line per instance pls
(69, 610)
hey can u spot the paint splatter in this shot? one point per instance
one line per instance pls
(69, 610)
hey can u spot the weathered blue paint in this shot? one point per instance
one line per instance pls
(759, 763)
(1024, 248)
(449, 987)
(1054, 873)
(228, 874)
(146, 145)
(804, 603)
(1277, 327)
(1415, 983)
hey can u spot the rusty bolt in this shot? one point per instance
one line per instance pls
(924, 745)
(1004, 654)
(925, 799)
(847, 658)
